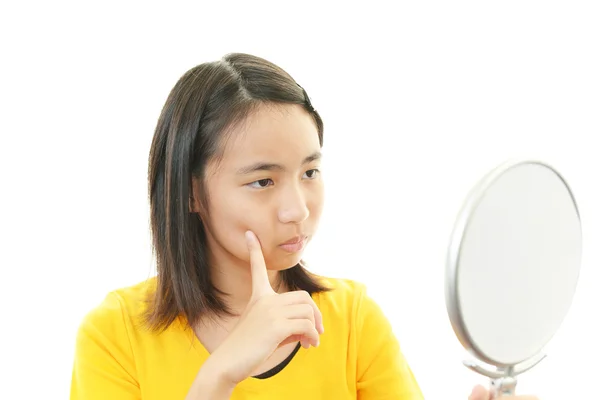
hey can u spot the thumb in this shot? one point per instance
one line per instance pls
(480, 393)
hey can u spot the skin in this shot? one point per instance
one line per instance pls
(270, 321)
(268, 182)
(276, 202)
(481, 393)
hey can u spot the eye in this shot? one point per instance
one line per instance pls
(261, 183)
(312, 173)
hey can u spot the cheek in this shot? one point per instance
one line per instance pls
(232, 217)
(315, 201)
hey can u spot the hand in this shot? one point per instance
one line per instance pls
(481, 393)
(269, 321)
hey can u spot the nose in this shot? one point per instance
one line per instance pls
(293, 207)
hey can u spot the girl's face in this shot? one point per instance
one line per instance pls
(268, 181)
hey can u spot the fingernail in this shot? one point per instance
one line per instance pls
(249, 237)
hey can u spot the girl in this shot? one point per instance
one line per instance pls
(236, 194)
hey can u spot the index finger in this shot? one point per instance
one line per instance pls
(260, 279)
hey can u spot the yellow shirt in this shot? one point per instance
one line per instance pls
(117, 358)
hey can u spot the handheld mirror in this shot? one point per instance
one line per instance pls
(512, 269)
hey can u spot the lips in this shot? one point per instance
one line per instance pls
(294, 240)
(294, 245)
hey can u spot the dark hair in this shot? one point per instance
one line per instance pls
(206, 102)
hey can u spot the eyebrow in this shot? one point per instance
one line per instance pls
(263, 166)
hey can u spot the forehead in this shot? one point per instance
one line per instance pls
(278, 133)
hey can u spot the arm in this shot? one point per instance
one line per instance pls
(382, 370)
(209, 384)
(104, 366)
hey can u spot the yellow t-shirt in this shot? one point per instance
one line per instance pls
(117, 358)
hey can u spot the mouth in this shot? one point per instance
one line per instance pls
(294, 245)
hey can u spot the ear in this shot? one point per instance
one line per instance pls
(195, 206)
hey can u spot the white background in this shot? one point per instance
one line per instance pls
(420, 99)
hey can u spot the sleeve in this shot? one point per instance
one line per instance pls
(382, 371)
(104, 366)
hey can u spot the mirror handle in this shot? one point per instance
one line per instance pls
(503, 381)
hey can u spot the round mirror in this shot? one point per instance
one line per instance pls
(512, 269)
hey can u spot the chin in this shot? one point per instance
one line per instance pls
(283, 263)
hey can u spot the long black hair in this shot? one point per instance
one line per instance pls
(202, 106)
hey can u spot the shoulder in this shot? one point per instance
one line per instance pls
(104, 350)
(341, 289)
(346, 297)
(120, 308)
